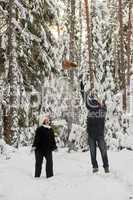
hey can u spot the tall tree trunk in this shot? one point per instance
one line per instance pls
(72, 58)
(1, 113)
(80, 37)
(12, 77)
(122, 67)
(72, 31)
(129, 34)
(88, 23)
(72, 36)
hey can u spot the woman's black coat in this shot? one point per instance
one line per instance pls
(44, 140)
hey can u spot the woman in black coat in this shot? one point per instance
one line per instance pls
(44, 143)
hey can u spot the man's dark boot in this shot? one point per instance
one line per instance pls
(95, 169)
(106, 169)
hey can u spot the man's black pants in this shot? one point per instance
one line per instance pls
(93, 142)
(39, 161)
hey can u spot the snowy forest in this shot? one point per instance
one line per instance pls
(37, 39)
(47, 49)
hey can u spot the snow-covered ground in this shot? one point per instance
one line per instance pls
(73, 177)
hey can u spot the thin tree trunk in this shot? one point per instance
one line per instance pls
(88, 23)
(123, 78)
(80, 38)
(72, 58)
(1, 112)
(12, 77)
(72, 36)
(72, 31)
(72, 54)
(129, 34)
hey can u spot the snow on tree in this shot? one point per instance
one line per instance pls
(43, 34)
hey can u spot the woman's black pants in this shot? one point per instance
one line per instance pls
(39, 161)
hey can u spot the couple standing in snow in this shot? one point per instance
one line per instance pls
(44, 141)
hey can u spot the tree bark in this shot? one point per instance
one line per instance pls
(1, 112)
(129, 34)
(72, 36)
(88, 23)
(12, 78)
(72, 31)
(122, 67)
(80, 38)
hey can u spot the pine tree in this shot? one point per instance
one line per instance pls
(31, 54)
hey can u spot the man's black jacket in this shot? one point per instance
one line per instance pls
(44, 140)
(96, 115)
(96, 119)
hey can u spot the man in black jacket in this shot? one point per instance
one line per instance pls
(95, 129)
(44, 143)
